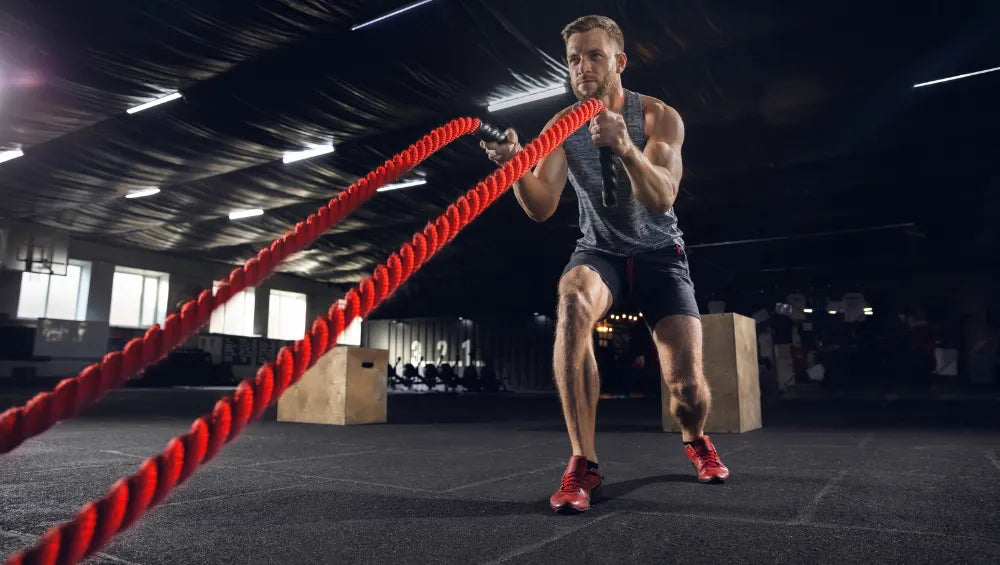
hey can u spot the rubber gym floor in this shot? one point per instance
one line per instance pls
(466, 479)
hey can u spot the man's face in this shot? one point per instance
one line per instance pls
(593, 63)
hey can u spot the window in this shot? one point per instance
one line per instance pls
(286, 317)
(138, 298)
(56, 297)
(235, 317)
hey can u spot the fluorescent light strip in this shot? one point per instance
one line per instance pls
(157, 102)
(525, 98)
(293, 156)
(404, 184)
(240, 214)
(807, 310)
(12, 154)
(391, 14)
(141, 193)
(956, 77)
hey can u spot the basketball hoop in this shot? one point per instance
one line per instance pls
(44, 253)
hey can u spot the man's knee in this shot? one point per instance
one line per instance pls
(582, 296)
(687, 389)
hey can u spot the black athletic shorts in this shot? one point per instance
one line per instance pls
(656, 283)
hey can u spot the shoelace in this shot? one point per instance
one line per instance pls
(709, 457)
(570, 483)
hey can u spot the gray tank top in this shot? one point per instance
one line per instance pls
(629, 228)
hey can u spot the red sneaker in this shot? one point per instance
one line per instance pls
(706, 461)
(578, 485)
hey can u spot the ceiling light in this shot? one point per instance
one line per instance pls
(540, 94)
(807, 310)
(157, 102)
(391, 14)
(956, 77)
(12, 154)
(240, 214)
(404, 184)
(144, 192)
(833, 312)
(869, 313)
(314, 151)
(868, 308)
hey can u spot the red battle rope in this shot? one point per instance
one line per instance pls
(76, 393)
(98, 521)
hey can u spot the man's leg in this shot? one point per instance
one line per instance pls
(678, 342)
(583, 301)
(584, 298)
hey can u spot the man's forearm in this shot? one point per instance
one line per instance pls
(654, 187)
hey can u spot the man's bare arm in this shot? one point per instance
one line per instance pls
(655, 172)
(538, 191)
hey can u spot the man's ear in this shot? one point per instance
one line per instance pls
(621, 60)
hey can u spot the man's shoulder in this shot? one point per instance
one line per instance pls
(658, 109)
(565, 111)
(662, 120)
(559, 115)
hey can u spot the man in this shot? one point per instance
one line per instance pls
(630, 253)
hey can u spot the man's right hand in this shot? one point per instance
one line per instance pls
(500, 153)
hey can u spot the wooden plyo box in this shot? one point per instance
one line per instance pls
(346, 386)
(730, 361)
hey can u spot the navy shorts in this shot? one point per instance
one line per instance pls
(656, 283)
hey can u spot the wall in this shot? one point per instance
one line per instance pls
(186, 276)
(10, 290)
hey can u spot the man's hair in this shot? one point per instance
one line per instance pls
(587, 23)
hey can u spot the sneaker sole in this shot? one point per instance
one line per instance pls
(712, 481)
(569, 510)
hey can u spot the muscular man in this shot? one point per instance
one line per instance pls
(630, 254)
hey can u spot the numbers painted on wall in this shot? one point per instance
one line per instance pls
(467, 352)
(416, 352)
(440, 353)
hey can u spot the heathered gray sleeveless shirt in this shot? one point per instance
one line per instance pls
(629, 228)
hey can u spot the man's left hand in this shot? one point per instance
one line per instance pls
(608, 129)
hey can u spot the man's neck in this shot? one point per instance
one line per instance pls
(615, 100)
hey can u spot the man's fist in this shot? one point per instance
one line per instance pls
(608, 129)
(500, 153)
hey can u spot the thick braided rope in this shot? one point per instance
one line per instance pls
(98, 521)
(75, 393)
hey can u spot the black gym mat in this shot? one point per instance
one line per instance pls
(466, 479)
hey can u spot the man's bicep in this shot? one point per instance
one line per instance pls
(662, 154)
(553, 169)
(666, 136)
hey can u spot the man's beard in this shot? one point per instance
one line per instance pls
(603, 89)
